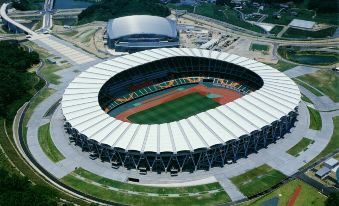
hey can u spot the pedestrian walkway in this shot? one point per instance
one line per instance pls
(299, 71)
(232, 191)
(322, 103)
(63, 49)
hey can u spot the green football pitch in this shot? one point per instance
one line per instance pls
(177, 109)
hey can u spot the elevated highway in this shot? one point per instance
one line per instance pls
(37, 14)
(11, 24)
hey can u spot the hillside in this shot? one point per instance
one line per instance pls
(109, 9)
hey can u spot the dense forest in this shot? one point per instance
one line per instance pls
(16, 83)
(108, 9)
(17, 190)
(25, 5)
(323, 6)
(16, 87)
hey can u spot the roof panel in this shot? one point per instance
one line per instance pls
(204, 132)
(104, 132)
(126, 138)
(165, 139)
(192, 137)
(179, 138)
(139, 138)
(151, 144)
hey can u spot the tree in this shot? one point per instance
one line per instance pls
(16, 83)
(332, 199)
(17, 190)
(109, 9)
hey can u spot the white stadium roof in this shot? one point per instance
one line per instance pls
(141, 24)
(276, 98)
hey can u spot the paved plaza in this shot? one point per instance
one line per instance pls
(64, 49)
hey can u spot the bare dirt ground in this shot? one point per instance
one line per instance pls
(89, 37)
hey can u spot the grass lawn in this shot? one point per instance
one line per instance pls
(315, 119)
(47, 144)
(326, 81)
(257, 180)
(282, 65)
(49, 72)
(276, 29)
(308, 196)
(300, 146)
(259, 47)
(124, 198)
(331, 146)
(140, 188)
(298, 33)
(177, 109)
(311, 89)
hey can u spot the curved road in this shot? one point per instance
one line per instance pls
(20, 144)
(3, 14)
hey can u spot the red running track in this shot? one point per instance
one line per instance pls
(294, 196)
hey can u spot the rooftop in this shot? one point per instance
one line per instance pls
(141, 24)
(302, 24)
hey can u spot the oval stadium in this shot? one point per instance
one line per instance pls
(177, 110)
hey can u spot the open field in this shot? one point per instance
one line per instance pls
(331, 146)
(125, 198)
(257, 180)
(315, 119)
(300, 146)
(177, 109)
(47, 144)
(326, 81)
(308, 196)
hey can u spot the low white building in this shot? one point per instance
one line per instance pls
(331, 163)
(302, 24)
